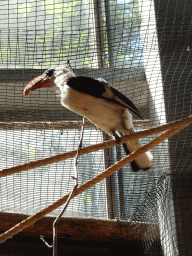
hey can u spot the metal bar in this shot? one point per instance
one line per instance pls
(109, 33)
(98, 34)
(58, 125)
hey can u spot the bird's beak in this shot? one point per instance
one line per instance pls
(38, 82)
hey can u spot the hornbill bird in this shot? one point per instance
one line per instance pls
(96, 100)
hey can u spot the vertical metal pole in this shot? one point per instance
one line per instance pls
(110, 182)
(100, 51)
(109, 33)
(121, 186)
(98, 33)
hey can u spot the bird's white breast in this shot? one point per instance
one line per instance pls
(107, 115)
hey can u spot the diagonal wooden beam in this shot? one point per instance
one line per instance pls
(32, 219)
(107, 144)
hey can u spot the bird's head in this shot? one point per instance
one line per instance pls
(49, 78)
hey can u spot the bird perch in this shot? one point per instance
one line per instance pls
(107, 144)
(170, 129)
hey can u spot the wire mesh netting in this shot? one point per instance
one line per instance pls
(143, 49)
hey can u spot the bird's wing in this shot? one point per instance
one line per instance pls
(123, 100)
(86, 85)
(100, 89)
(117, 97)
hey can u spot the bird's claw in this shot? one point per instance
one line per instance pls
(116, 138)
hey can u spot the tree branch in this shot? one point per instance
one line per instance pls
(107, 144)
(32, 219)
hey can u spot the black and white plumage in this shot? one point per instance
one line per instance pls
(96, 100)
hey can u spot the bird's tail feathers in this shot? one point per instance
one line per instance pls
(144, 161)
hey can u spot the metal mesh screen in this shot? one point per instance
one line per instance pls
(143, 49)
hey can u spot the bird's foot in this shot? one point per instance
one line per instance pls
(116, 138)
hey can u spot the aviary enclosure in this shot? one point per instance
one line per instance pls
(143, 49)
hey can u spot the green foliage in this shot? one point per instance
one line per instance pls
(50, 31)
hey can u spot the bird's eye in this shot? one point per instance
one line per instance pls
(49, 72)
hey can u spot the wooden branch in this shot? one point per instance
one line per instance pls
(32, 219)
(107, 144)
(57, 220)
